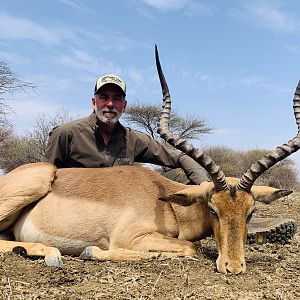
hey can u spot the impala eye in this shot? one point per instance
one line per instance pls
(212, 212)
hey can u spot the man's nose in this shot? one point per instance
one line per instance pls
(110, 102)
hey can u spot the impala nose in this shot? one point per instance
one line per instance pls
(231, 265)
(235, 267)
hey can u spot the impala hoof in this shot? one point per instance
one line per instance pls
(53, 261)
(54, 258)
(88, 252)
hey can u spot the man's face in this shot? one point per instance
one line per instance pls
(109, 104)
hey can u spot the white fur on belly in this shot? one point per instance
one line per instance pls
(28, 232)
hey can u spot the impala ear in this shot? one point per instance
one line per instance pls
(267, 194)
(187, 196)
(180, 199)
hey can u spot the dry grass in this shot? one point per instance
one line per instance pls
(273, 273)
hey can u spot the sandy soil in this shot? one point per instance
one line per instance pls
(273, 272)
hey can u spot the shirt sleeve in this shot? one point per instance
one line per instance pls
(192, 169)
(148, 150)
(58, 147)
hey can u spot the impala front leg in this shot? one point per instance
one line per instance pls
(52, 255)
(119, 254)
(146, 246)
(157, 242)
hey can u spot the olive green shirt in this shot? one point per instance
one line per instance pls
(80, 144)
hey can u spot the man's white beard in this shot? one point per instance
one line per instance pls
(105, 119)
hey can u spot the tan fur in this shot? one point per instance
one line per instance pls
(21, 187)
(118, 211)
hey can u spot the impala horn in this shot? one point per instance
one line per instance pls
(281, 152)
(205, 161)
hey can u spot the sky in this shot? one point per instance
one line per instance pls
(233, 63)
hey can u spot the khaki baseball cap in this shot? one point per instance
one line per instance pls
(110, 78)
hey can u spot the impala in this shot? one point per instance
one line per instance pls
(131, 212)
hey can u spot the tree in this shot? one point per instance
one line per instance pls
(9, 84)
(235, 162)
(229, 160)
(282, 175)
(38, 136)
(145, 117)
(16, 150)
(5, 132)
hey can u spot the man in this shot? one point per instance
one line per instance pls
(101, 141)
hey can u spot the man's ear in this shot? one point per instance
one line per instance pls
(93, 102)
(267, 194)
(125, 106)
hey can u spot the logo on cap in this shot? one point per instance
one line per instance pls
(111, 79)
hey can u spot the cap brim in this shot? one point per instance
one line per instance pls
(108, 83)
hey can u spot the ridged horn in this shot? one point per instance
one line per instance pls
(281, 152)
(205, 161)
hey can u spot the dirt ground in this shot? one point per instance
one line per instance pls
(273, 272)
